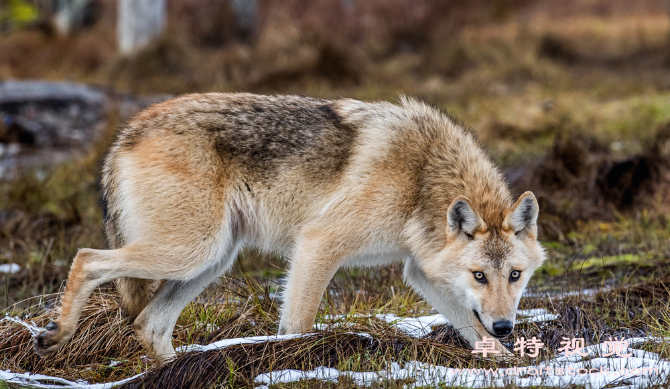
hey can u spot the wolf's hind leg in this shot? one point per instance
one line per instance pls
(136, 294)
(155, 324)
(92, 268)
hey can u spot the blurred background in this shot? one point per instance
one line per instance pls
(572, 98)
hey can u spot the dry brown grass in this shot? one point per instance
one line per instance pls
(246, 309)
(331, 48)
(102, 335)
(580, 179)
(239, 365)
(526, 75)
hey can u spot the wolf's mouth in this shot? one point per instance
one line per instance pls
(487, 330)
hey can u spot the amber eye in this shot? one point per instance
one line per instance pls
(514, 275)
(479, 276)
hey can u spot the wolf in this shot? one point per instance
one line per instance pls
(327, 183)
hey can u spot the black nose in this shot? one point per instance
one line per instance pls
(503, 327)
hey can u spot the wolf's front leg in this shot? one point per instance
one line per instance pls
(314, 264)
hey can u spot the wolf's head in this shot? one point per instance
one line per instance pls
(485, 268)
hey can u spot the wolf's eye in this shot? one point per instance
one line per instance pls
(479, 276)
(514, 275)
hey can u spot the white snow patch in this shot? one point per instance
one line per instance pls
(32, 327)
(587, 293)
(329, 326)
(211, 327)
(40, 381)
(417, 327)
(337, 321)
(10, 268)
(235, 341)
(536, 315)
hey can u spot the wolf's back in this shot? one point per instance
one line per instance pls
(255, 139)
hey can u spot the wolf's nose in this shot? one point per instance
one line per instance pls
(503, 327)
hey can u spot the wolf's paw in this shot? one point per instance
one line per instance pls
(47, 341)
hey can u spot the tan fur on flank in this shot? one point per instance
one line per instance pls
(191, 181)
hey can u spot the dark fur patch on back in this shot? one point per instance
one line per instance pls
(267, 136)
(496, 248)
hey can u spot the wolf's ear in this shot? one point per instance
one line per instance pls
(462, 217)
(522, 216)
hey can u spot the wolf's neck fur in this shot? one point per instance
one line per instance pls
(452, 164)
(467, 170)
